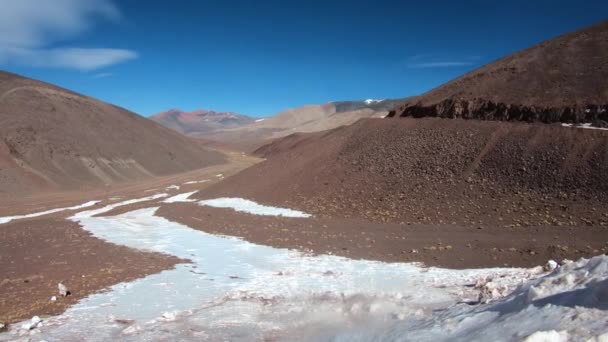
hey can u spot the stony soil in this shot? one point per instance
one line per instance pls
(40, 253)
(434, 245)
(436, 171)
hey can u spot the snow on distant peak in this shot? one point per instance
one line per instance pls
(259, 120)
(370, 101)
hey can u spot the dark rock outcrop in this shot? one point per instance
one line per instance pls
(564, 79)
(487, 110)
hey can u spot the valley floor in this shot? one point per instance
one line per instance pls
(100, 248)
(37, 253)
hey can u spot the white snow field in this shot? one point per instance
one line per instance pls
(7, 219)
(251, 207)
(238, 291)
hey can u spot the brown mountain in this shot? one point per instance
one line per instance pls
(310, 118)
(200, 122)
(564, 79)
(52, 138)
(460, 172)
(435, 171)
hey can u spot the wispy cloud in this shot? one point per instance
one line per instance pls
(29, 30)
(103, 75)
(427, 60)
(444, 64)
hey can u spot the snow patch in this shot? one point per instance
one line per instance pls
(234, 288)
(7, 219)
(370, 101)
(180, 198)
(585, 125)
(251, 207)
(197, 182)
(171, 187)
(91, 213)
(259, 120)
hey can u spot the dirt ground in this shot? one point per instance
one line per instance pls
(450, 246)
(38, 253)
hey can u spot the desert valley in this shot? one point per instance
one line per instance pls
(477, 210)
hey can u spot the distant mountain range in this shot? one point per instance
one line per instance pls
(248, 133)
(200, 121)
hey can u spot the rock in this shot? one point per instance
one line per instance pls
(53, 299)
(63, 290)
(31, 324)
(2, 327)
(168, 316)
(551, 265)
(552, 335)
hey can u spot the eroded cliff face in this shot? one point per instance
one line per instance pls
(488, 110)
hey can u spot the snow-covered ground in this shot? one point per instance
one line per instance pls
(197, 182)
(236, 290)
(585, 125)
(180, 198)
(247, 206)
(7, 219)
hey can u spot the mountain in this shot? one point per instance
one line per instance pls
(564, 79)
(434, 171)
(52, 138)
(310, 118)
(200, 122)
(460, 172)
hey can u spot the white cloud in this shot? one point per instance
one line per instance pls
(29, 30)
(103, 75)
(432, 60)
(443, 64)
(70, 58)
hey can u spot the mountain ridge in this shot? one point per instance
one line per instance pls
(56, 139)
(563, 79)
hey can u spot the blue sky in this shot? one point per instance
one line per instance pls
(260, 57)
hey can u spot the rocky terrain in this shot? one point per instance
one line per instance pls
(564, 79)
(54, 139)
(436, 171)
(200, 122)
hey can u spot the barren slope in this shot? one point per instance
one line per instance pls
(436, 171)
(52, 138)
(564, 79)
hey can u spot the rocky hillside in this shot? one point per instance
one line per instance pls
(52, 139)
(564, 79)
(436, 171)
